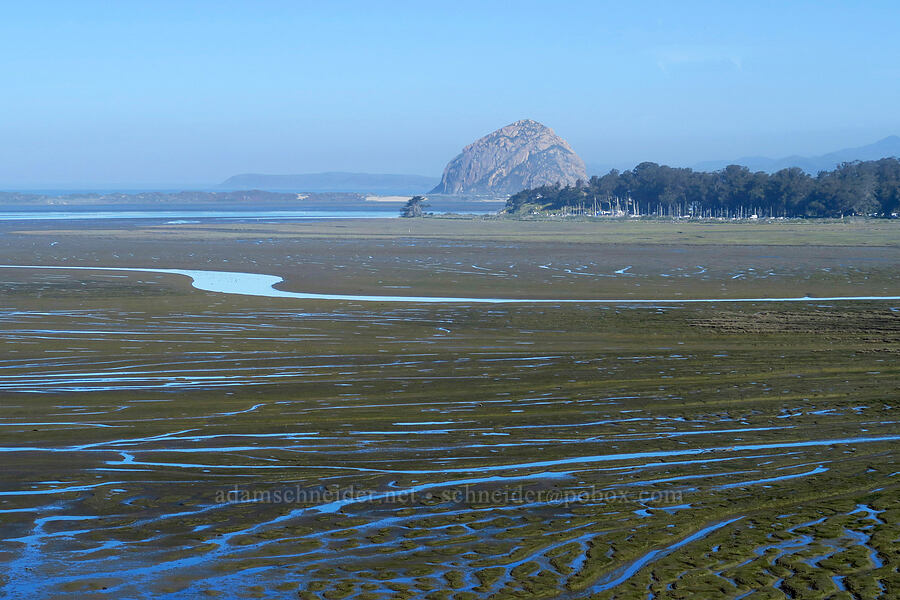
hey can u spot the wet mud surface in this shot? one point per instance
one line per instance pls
(161, 440)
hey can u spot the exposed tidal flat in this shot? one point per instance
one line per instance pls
(163, 440)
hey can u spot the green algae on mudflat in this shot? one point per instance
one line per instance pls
(559, 382)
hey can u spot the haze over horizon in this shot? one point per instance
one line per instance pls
(190, 93)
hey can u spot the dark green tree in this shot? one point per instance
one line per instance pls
(414, 207)
(855, 188)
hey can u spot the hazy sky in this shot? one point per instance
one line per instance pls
(151, 93)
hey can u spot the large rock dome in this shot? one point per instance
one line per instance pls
(524, 154)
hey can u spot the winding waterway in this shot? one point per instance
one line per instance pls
(257, 284)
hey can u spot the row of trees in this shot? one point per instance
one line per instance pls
(855, 188)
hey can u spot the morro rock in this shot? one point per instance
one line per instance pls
(522, 155)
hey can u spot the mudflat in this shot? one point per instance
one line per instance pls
(161, 439)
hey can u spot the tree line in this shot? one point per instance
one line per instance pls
(853, 188)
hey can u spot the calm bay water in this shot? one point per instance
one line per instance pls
(189, 215)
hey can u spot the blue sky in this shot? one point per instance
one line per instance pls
(153, 93)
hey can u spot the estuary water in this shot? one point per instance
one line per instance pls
(190, 215)
(258, 284)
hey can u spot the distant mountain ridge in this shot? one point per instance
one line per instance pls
(885, 148)
(524, 154)
(333, 181)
